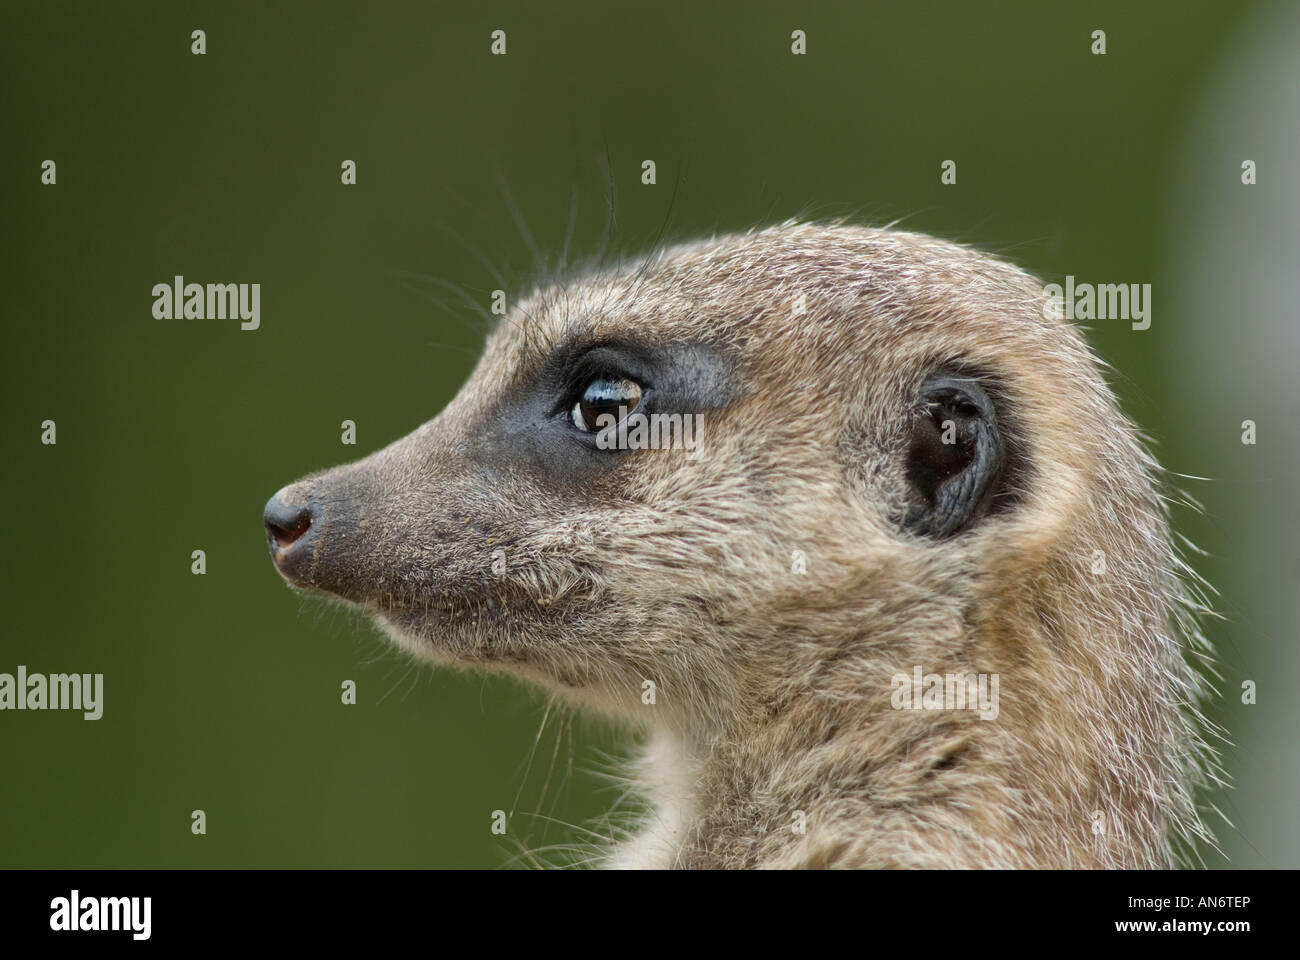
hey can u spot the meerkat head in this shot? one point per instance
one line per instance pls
(763, 476)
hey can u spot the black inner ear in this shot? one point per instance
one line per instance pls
(955, 456)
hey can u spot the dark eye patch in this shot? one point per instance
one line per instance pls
(530, 428)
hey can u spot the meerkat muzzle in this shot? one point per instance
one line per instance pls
(288, 518)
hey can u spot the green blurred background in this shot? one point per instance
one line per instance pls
(222, 691)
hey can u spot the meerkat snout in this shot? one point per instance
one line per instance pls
(286, 521)
(766, 476)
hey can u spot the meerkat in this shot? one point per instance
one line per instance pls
(907, 464)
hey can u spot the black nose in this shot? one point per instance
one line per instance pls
(287, 518)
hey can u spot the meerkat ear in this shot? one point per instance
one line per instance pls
(955, 455)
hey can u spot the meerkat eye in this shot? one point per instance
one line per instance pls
(616, 396)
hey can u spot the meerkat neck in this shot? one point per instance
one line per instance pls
(666, 776)
(855, 785)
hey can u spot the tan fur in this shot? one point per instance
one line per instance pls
(773, 687)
